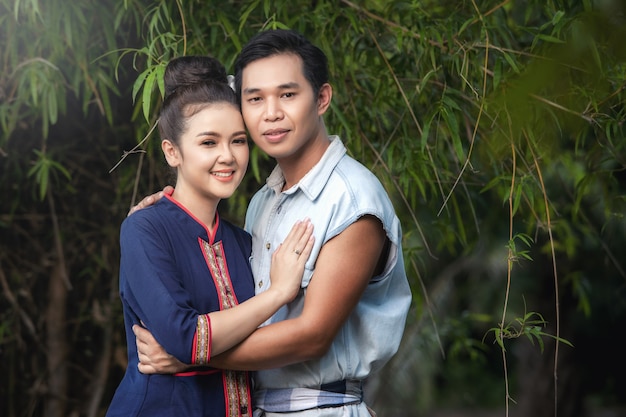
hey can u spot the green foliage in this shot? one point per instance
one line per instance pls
(530, 325)
(496, 126)
(43, 168)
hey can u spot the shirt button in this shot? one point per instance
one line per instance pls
(260, 284)
(268, 246)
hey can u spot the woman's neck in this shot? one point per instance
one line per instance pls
(203, 209)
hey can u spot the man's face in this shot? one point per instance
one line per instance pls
(279, 107)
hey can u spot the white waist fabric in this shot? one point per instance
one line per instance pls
(298, 399)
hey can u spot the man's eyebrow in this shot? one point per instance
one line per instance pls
(288, 86)
(250, 90)
(285, 86)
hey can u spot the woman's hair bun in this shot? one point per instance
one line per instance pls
(191, 70)
(192, 83)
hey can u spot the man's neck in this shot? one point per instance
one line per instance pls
(297, 166)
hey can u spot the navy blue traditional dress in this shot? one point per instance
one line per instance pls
(173, 272)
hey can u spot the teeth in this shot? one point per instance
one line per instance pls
(222, 174)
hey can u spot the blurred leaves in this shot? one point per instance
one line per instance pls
(495, 126)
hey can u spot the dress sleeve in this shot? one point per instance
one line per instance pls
(152, 289)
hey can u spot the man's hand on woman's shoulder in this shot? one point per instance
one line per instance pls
(151, 199)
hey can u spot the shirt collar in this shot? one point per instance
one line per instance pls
(314, 181)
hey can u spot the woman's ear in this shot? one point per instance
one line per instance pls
(324, 97)
(170, 150)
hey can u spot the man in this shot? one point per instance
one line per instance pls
(347, 321)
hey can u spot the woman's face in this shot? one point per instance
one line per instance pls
(212, 155)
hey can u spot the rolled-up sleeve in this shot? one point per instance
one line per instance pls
(152, 289)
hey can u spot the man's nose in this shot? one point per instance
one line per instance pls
(273, 110)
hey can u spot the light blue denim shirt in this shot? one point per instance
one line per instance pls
(334, 194)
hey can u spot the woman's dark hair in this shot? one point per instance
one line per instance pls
(282, 41)
(191, 84)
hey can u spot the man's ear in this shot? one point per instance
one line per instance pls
(324, 97)
(170, 150)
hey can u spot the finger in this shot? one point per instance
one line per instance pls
(133, 209)
(148, 201)
(142, 335)
(299, 229)
(296, 230)
(304, 244)
(141, 347)
(307, 249)
(306, 234)
(146, 369)
(142, 204)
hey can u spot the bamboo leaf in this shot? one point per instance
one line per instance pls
(139, 82)
(511, 62)
(52, 106)
(550, 39)
(148, 87)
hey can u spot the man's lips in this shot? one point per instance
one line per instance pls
(275, 135)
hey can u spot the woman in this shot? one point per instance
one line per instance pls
(184, 272)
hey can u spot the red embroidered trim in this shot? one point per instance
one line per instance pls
(236, 389)
(202, 354)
